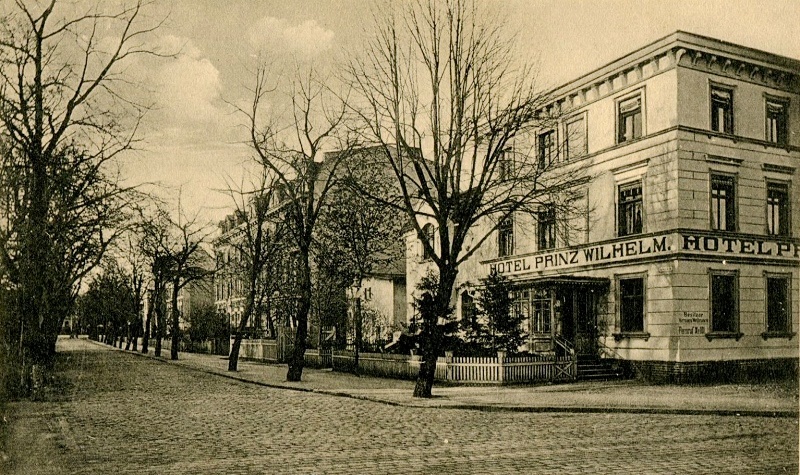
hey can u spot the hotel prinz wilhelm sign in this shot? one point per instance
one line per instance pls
(646, 246)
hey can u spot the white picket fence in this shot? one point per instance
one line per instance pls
(500, 369)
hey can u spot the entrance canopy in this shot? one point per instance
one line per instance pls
(566, 281)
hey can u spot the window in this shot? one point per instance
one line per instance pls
(367, 294)
(630, 209)
(428, 236)
(777, 121)
(505, 165)
(468, 310)
(546, 233)
(541, 311)
(631, 305)
(576, 138)
(724, 306)
(723, 203)
(547, 148)
(778, 209)
(778, 305)
(629, 124)
(505, 237)
(721, 109)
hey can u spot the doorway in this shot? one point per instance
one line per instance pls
(579, 318)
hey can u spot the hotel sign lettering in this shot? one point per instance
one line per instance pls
(734, 245)
(644, 247)
(583, 256)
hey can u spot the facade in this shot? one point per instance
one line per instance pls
(684, 261)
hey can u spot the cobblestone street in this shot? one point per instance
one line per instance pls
(127, 414)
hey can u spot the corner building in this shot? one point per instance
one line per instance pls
(684, 265)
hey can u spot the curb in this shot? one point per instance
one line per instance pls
(486, 407)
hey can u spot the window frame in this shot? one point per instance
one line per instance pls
(620, 116)
(505, 228)
(715, 176)
(623, 187)
(729, 114)
(581, 117)
(787, 331)
(431, 238)
(785, 217)
(537, 303)
(782, 133)
(622, 332)
(735, 333)
(552, 148)
(548, 210)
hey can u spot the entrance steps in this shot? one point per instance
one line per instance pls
(592, 368)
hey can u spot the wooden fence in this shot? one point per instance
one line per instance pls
(500, 369)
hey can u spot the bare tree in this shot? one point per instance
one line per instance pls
(188, 262)
(153, 231)
(64, 119)
(287, 147)
(439, 83)
(258, 241)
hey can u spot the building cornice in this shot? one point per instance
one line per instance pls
(679, 49)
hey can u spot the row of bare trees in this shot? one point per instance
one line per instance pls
(438, 95)
(66, 116)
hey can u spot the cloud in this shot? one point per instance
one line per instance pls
(189, 86)
(276, 36)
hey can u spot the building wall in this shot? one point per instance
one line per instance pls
(674, 159)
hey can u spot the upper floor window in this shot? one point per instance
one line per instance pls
(778, 209)
(722, 109)
(777, 125)
(629, 119)
(630, 209)
(723, 203)
(428, 236)
(547, 148)
(505, 166)
(505, 237)
(576, 138)
(546, 233)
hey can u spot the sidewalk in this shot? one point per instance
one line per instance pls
(765, 400)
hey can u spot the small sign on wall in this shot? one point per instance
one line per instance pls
(692, 323)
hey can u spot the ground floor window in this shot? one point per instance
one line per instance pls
(631, 296)
(778, 304)
(540, 302)
(724, 290)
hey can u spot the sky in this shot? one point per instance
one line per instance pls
(194, 144)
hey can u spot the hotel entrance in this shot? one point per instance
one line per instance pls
(563, 314)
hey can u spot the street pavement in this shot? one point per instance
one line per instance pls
(776, 400)
(120, 413)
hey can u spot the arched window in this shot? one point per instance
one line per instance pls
(428, 233)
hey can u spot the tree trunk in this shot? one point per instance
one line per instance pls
(176, 331)
(297, 361)
(147, 321)
(431, 335)
(249, 308)
(359, 330)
